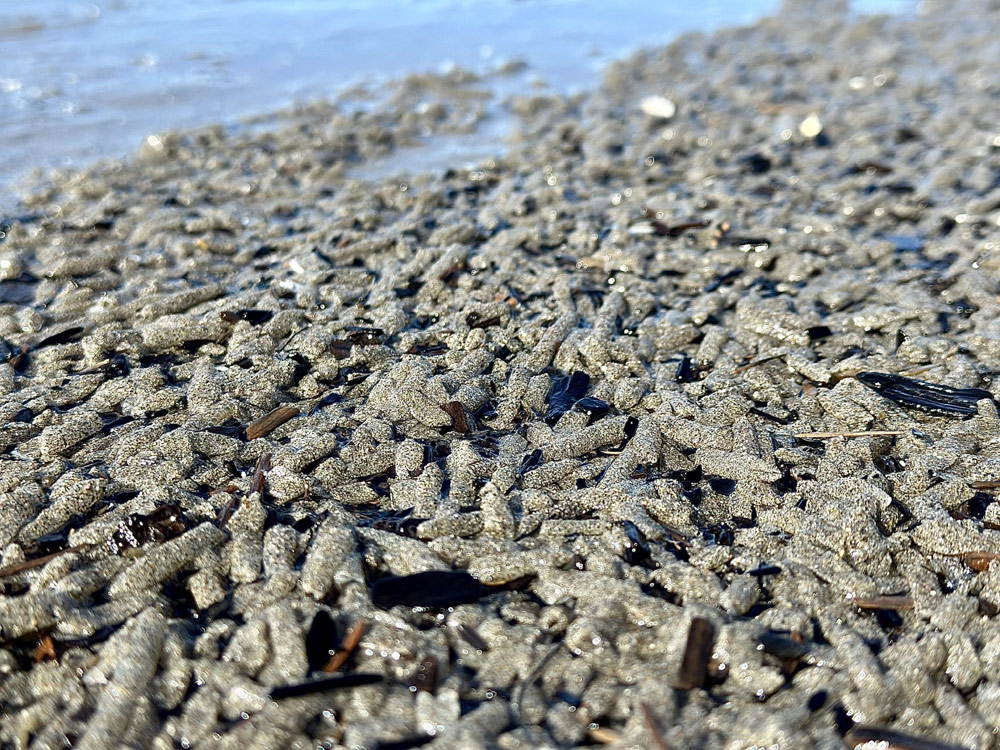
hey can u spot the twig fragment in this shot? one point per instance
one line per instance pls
(866, 433)
(654, 730)
(342, 654)
(257, 484)
(270, 421)
(36, 562)
(885, 601)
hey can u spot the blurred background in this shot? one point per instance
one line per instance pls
(79, 80)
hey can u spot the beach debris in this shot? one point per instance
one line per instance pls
(659, 107)
(136, 529)
(339, 657)
(324, 684)
(37, 562)
(432, 588)
(322, 640)
(862, 433)
(930, 398)
(867, 735)
(652, 726)
(811, 126)
(459, 421)
(270, 421)
(253, 317)
(885, 601)
(258, 482)
(365, 335)
(697, 652)
(566, 391)
(426, 675)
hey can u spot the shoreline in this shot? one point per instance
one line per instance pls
(611, 440)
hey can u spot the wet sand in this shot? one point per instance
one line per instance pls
(579, 447)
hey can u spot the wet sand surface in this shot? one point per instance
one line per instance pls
(669, 427)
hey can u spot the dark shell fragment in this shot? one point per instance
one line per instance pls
(136, 529)
(253, 317)
(697, 652)
(322, 640)
(566, 391)
(592, 407)
(930, 398)
(426, 676)
(432, 588)
(365, 336)
(455, 410)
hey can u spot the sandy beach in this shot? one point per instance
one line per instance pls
(669, 426)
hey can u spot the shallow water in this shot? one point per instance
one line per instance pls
(81, 80)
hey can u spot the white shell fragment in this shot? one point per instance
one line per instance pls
(658, 106)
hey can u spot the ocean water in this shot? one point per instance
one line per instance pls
(80, 80)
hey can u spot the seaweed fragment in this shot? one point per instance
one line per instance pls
(432, 588)
(756, 163)
(635, 550)
(532, 461)
(930, 398)
(676, 230)
(785, 646)
(399, 522)
(37, 562)
(340, 348)
(471, 636)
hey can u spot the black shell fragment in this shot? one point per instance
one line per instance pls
(432, 588)
(66, 336)
(322, 640)
(592, 407)
(566, 391)
(136, 529)
(253, 317)
(931, 398)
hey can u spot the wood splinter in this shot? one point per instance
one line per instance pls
(894, 602)
(270, 422)
(342, 654)
(867, 433)
(257, 484)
